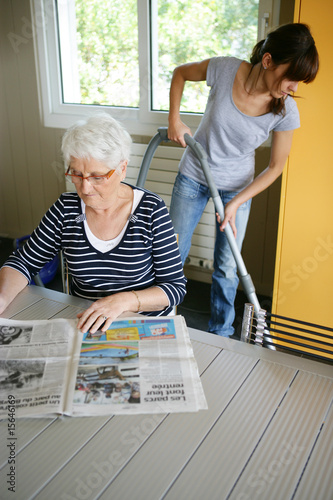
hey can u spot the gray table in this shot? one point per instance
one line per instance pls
(266, 435)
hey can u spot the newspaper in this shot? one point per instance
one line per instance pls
(139, 365)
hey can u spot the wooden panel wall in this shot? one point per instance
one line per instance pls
(304, 268)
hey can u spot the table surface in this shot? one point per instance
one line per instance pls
(266, 435)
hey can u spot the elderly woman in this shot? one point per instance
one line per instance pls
(117, 239)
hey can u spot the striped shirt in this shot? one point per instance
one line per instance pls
(146, 256)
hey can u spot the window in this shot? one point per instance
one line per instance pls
(193, 31)
(103, 41)
(120, 55)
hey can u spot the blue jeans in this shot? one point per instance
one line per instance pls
(189, 199)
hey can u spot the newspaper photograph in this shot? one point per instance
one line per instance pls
(139, 365)
(35, 362)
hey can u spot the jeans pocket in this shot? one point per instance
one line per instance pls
(186, 187)
(229, 195)
(246, 205)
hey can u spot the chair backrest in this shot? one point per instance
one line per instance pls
(65, 276)
(287, 334)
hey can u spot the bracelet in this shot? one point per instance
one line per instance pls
(139, 303)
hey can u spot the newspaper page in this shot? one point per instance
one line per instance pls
(35, 358)
(140, 365)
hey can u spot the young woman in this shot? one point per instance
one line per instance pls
(247, 101)
(118, 240)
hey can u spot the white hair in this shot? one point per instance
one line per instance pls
(99, 137)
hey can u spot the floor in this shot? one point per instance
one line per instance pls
(196, 305)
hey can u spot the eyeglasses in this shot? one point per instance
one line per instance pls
(93, 179)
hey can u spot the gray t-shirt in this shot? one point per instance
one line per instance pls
(229, 136)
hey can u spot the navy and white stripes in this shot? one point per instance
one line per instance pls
(146, 256)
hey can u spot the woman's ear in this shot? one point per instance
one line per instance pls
(266, 60)
(121, 169)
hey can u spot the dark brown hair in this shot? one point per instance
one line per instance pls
(290, 44)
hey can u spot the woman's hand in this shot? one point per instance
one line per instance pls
(230, 211)
(103, 312)
(176, 132)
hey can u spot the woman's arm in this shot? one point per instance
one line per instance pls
(194, 72)
(11, 283)
(26, 262)
(42, 246)
(281, 145)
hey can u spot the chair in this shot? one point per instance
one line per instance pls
(47, 273)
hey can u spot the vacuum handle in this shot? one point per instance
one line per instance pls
(161, 136)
